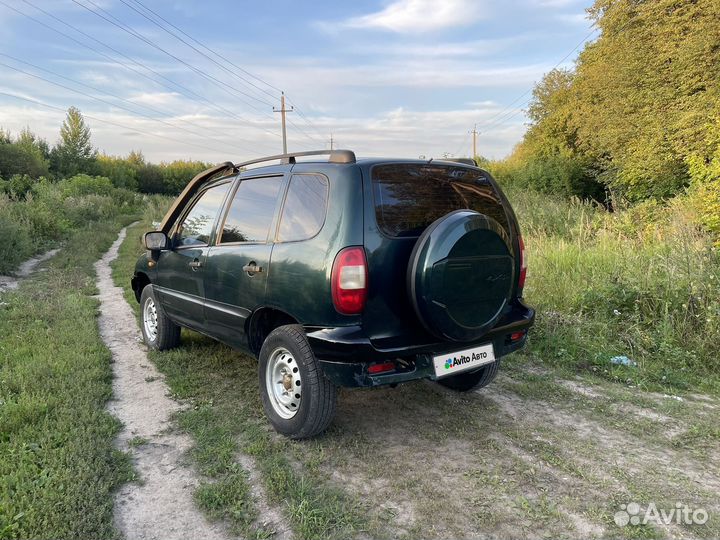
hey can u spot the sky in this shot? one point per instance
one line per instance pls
(199, 80)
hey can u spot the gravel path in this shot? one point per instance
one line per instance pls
(161, 505)
(8, 283)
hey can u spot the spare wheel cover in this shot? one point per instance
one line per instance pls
(460, 275)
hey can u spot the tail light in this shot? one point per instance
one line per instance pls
(523, 264)
(349, 281)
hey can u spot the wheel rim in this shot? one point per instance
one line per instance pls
(283, 383)
(150, 319)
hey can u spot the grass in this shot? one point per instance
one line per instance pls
(641, 283)
(58, 465)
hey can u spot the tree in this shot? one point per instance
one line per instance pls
(74, 153)
(25, 155)
(636, 106)
(122, 173)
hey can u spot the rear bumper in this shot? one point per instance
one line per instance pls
(345, 353)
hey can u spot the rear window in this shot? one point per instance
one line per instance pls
(409, 197)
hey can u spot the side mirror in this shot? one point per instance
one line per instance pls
(156, 241)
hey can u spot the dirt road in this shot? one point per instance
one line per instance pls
(160, 505)
(8, 283)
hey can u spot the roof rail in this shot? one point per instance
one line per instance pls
(336, 156)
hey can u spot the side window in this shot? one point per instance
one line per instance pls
(305, 206)
(197, 224)
(251, 210)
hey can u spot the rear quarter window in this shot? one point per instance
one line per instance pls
(305, 207)
(409, 197)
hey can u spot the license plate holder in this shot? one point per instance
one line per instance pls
(468, 359)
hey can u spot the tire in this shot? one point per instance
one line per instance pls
(473, 380)
(164, 334)
(298, 400)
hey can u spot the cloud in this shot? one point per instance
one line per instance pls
(444, 49)
(408, 16)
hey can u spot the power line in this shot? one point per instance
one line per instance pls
(510, 115)
(305, 118)
(128, 29)
(485, 127)
(230, 90)
(184, 90)
(222, 66)
(276, 96)
(84, 94)
(211, 59)
(109, 122)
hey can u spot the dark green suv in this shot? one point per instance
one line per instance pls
(340, 272)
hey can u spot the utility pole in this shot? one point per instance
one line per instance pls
(332, 142)
(474, 134)
(282, 110)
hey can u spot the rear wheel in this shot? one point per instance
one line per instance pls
(298, 400)
(159, 332)
(465, 382)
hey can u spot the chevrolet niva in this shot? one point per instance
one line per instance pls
(340, 272)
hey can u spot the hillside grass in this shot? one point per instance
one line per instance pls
(58, 465)
(640, 282)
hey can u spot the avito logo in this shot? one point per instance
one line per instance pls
(455, 361)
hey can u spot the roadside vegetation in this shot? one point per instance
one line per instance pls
(58, 464)
(637, 118)
(640, 283)
(48, 193)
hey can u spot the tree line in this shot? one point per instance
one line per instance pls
(26, 158)
(637, 118)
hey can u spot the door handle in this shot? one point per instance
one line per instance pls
(252, 268)
(195, 264)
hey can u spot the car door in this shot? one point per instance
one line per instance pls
(181, 272)
(238, 264)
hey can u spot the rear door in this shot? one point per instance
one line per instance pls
(237, 267)
(406, 197)
(181, 272)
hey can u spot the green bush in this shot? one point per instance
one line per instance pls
(82, 184)
(17, 244)
(705, 189)
(18, 185)
(556, 174)
(49, 212)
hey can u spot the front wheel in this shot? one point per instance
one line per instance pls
(298, 400)
(465, 382)
(159, 332)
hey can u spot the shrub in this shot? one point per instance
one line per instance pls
(555, 174)
(18, 185)
(82, 184)
(17, 244)
(704, 190)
